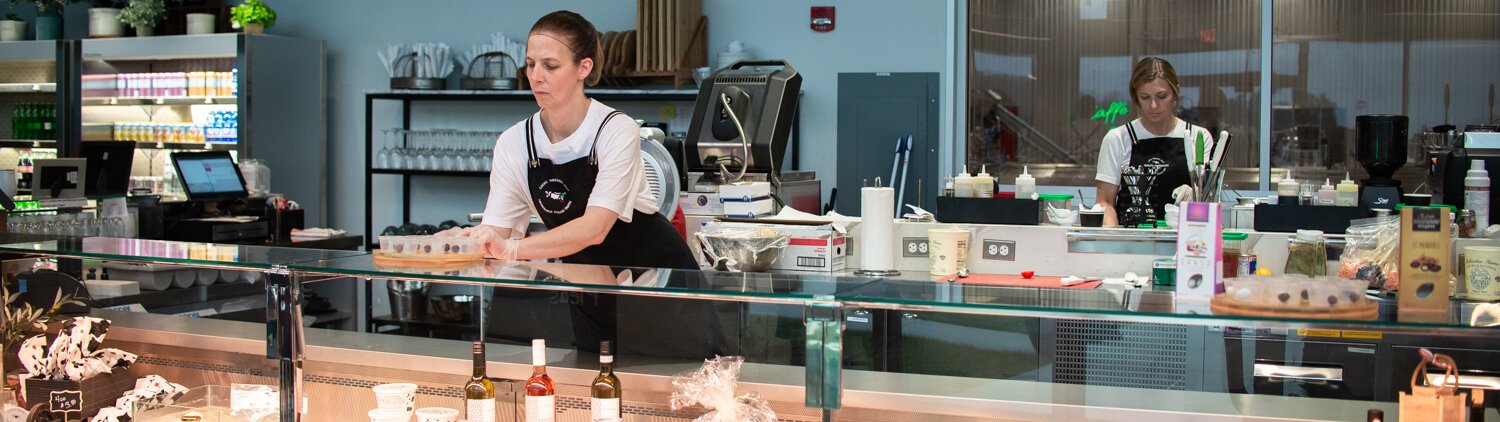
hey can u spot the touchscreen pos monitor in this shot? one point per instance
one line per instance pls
(108, 167)
(209, 175)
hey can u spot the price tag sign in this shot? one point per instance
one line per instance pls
(65, 401)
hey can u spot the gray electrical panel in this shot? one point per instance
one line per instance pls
(875, 109)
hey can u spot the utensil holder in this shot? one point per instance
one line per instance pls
(486, 79)
(412, 82)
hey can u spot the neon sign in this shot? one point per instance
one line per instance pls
(1115, 110)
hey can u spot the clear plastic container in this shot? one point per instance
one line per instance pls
(1307, 254)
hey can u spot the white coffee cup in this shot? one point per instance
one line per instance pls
(437, 414)
(200, 23)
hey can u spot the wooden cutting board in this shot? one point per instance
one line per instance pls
(1014, 280)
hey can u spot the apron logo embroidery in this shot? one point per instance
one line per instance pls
(554, 197)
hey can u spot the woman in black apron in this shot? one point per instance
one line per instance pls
(561, 52)
(1163, 159)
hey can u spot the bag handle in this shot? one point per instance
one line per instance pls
(1450, 369)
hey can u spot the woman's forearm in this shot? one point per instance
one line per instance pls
(571, 237)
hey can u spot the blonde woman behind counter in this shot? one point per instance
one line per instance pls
(1157, 141)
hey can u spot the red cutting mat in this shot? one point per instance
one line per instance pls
(1013, 280)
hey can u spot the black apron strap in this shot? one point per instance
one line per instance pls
(530, 146)
(1129, 128)
(593, 151)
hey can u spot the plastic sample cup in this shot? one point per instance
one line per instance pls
(399, 397)
(389, 415)
(437, 414)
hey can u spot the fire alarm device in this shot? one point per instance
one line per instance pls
(822, 18)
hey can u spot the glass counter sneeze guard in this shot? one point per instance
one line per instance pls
(826, 299)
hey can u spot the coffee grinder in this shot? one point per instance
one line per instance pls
(1380, 146)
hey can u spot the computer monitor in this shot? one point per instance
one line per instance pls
(209, 175)
(58, 178)
(108, 167)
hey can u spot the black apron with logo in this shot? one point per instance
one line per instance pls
(1162, 156)
(656, 327)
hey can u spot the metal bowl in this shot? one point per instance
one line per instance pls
(455, 308)
(744, 250)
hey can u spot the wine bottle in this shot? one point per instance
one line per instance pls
(479, 392)
(541, 397)
(605, 392)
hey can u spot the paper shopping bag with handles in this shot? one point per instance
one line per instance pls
(1435, 403)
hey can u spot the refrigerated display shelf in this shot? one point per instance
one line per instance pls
(134, 101)
(25, 87)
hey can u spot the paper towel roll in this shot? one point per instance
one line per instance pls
(949, 250)
(877, 246)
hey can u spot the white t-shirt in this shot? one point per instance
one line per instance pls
(620, 187)
(1114, 151)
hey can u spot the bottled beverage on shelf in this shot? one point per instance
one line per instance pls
(605, 393)
(17, 126)
(479, 392)
(541, 397)
(23, 175)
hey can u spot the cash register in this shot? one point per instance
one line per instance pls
(211, 179)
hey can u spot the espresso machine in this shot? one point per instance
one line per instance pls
(1380, 147)
(1475, 143)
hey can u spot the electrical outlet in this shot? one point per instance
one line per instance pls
(913, 247)
(999, 250)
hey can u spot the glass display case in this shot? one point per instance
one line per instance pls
(828, 346)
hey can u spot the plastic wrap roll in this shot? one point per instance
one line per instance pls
(877, 247)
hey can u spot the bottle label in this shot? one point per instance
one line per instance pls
(480, 410)
(605, 409)
(540, 408)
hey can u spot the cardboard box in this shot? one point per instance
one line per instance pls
(745, 192)
(1426, 262)
(78, 400)
(811, 248)
(701, 203)
(1200, 250)
(754, 209)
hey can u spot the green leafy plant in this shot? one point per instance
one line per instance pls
(19, 320)
(12, 17)
(143, 13)
(252, 11)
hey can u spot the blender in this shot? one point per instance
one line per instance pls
(1380, 147)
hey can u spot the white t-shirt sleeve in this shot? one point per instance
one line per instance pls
(509, 203)
(621, 173)
(1112, 155)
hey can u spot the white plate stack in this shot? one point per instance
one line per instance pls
(100, 289)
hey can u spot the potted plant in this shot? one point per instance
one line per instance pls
(48, 17)
(253, 15)
(12, 28)
(104, 20)
(143, 15)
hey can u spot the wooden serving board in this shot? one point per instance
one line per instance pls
(1227, 305)
(447, 261)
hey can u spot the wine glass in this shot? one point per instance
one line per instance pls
(383, 158)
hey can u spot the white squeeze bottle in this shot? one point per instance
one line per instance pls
(984, 184)
(1025, 184)
(963, 185)
(1477, 193)
(1348, 192)
(1327, 196)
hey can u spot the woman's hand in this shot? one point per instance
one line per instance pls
(495, 241)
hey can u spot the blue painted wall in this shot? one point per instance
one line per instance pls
(872, 36)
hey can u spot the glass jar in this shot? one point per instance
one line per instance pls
(1306, 254)
(1233, 244)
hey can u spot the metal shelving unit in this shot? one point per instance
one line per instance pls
(408, 97)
